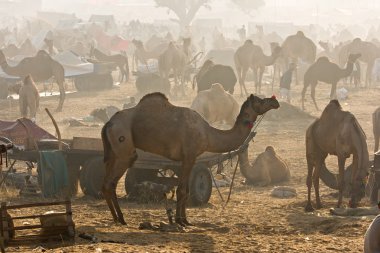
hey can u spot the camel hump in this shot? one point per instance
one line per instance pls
(323, 59)
(154, 95)
(217, 87)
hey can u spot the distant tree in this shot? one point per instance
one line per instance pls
(247, 6)
(185, 10)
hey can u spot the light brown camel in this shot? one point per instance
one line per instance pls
(25, 49)
(142, 55)
(296, 47)
(41, 67)
(216, 105)
(336, 132)
(325, 71)
(121, 61)
(252, 56)
(268, 168)
(29, 98)
(177, 133)
(369, 52)
(173, 59)
(376, 127)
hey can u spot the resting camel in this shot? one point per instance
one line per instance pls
(328, 72)
(336, 132)
(29, 98)
(118, 59)
(268, 168)
(296, 47)
(177, 133)
(42, 67)
(252, 56)
(369, 53)
(216, 105)
(376, 127)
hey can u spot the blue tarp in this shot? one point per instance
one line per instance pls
(52, 170)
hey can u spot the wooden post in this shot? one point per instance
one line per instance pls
(3, 226)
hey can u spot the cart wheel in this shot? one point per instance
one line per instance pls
(200, 185)
(135, 176)
(91, 177)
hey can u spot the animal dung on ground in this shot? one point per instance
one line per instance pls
(283, 192)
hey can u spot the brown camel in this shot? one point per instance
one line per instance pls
(118, 59)
(216, 105)
(336, 132)
(177, 133)
(268, 168)
(296, 47)
(41, 67)
(29, 98)
(325, 71)
(369, 53)
(252, 56)
(376, 127)
(25, 49)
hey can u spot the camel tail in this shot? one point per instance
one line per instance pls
(106, 143)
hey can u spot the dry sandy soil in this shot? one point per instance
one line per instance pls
(253, 221)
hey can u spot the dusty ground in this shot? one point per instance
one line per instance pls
(253, 221)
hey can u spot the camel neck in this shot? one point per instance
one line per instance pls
(348, 70)
(220, 141)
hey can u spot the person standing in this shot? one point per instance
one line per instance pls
(285, 81)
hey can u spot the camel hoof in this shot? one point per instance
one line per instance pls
(318, 206)
(180, 222)
(122, 222)
(187, 223)
(58, 110)
(309, 208)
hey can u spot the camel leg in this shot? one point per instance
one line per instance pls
(377, 138)
(333, 91)
(354, 182)
(114, 171)
(341, 164)
(62, 95)
(261, 73)
(242, 81)
(318, 166)
(183, 192)
(313, 96)
(309, 182)
(368, 78)
(303, 95)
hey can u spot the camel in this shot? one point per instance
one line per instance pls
(372, 236)
(336, 132)
(172, 59)
(177, 133)
(376, 128)
(118, 59)
(296, 47)
(252, 56)
(216, 105)
(142, 55)
(29, 98)
(268, 168)
(328, 72)
(41, 67)
(369, 53)
(25, 49)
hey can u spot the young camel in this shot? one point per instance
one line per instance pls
(328, 72)
(177, 133)
(336, 132)
(376, 127)
(41, 67)
(120, 60)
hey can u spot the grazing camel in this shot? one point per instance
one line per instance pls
(296, 47)
(268, 168)
(29, 98)
(41, 67)
(118, 59)
(177, 133)
(369, 53)
(336, 132)
(376, 127)
(252, 56)
(216, 105)
(328, 72)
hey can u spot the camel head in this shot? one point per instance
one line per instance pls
(276, 52)
(254, 106)
(300, 34)
(28, 80)
(353, 57)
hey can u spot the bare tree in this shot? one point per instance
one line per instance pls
(185, 10)
(247, 6)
